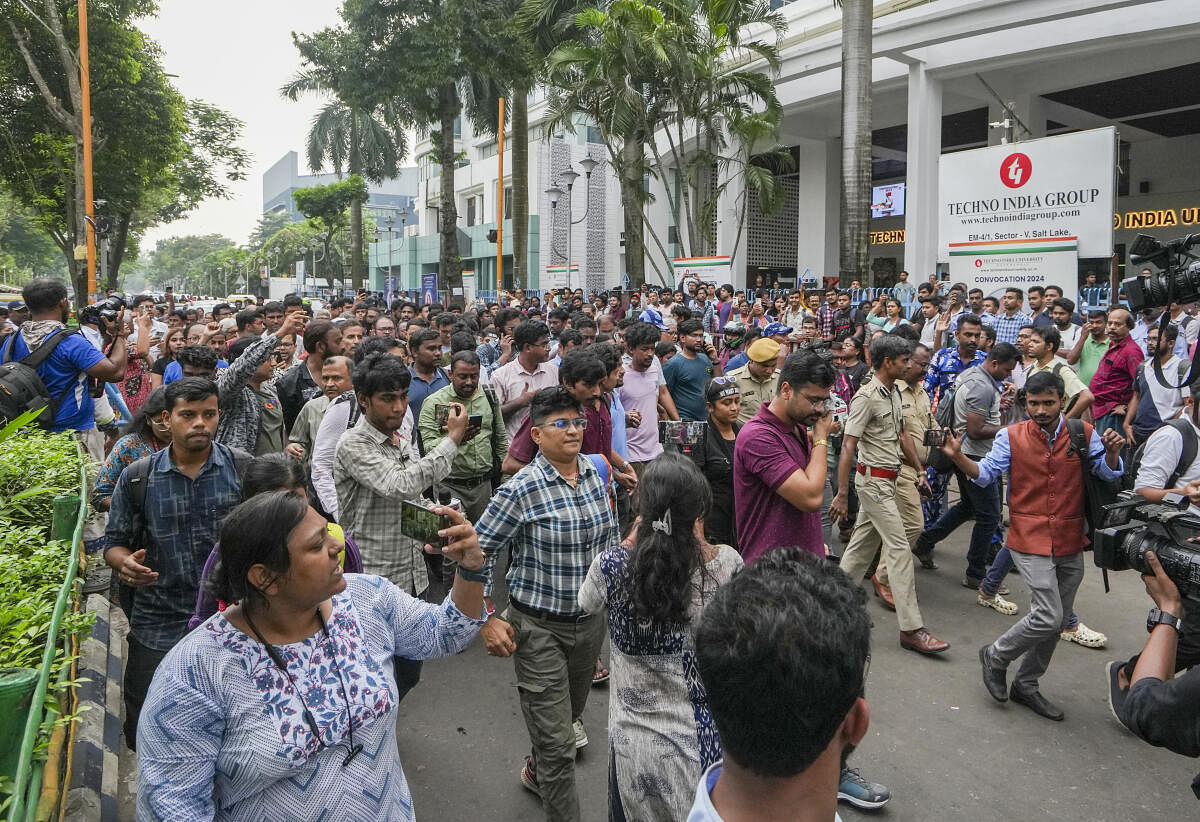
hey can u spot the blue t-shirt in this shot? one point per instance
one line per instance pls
(686, 379)
(736, 361)
(173, 372)
(64, 377)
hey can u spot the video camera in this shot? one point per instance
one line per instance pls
(1132, 526)
(1177, 282)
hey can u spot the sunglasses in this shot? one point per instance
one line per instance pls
(563, 425)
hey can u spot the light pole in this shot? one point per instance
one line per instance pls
(566, 179)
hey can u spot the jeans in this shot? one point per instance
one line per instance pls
(140, 664)
(980, 503)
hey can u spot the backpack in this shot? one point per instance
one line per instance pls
(1097, 493)
(1191, 444)
(138, 472)
(21, 387)
(944, 417)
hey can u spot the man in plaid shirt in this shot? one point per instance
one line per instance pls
(1011, 318)
(555, 517)
(825, 313)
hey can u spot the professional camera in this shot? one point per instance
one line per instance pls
(822, 348)
(1132, 526)
(1177, 282)
(108, 308)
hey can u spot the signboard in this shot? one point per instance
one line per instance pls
(389, 289)
(887, 201)
(706, 269)
(469, 287)
(556, 275)
(428, 289)
(1051, 188)
(994, 266)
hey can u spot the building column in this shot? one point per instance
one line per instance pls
(731, 211)
(921, 194)
(817, 208)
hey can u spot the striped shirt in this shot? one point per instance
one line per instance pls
(554, 530)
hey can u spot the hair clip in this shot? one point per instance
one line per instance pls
(663, 523)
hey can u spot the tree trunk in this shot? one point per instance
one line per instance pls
(356, 249)
(853, 248)
(357, 264)
(633, 161)
(519, 239)
(450, 261)
(116, 250)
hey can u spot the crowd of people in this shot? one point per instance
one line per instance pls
(676, 471)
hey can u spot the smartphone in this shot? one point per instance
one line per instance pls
(441, 414)
(681, 432)
(475, 421)
(419, 523)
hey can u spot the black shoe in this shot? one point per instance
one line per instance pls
(971, 582)
(994, 679)
(923, 551)
(1037, 703)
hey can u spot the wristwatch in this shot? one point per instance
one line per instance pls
(1158, 617)
(472, 576)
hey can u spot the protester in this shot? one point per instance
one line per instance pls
(643, 390)
(335, 381)
(1042, 349)
(792, 631)
(426, 372)
(147, 433)
(298, 618)
(688, 373)
(517, 382)
(778, 472)
(713, 455)
(344, 413)
(1112, 384)
(554, 517)
(155, 548)
(1011, 319)
(653, 593)
(977, 397)
(172, 344)
(1091, 347)
(1047, 536)
(322, 339)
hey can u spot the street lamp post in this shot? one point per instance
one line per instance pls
(566, 180)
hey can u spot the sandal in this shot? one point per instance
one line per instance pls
(601, 675)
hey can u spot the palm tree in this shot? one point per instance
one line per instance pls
(355, 133)
(853, 248)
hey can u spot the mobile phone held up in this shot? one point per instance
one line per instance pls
(420, 523)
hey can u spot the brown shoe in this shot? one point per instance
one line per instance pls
(922, 642)
(884, 592)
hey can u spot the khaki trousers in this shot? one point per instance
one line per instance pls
(879, 523)
(911, 515)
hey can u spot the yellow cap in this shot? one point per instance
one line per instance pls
(763, 350)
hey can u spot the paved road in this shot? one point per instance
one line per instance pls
(937, 739)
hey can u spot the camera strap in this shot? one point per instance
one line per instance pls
(1193, 372)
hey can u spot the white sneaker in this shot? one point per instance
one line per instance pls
(581, 739)
(1085, 636)
(996, 603)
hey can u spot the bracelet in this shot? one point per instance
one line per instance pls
(472, 576)
(821, 441)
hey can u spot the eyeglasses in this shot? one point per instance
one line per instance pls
(563, 425)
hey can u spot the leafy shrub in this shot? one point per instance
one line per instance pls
(35, 467)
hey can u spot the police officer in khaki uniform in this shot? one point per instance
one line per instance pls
(758, 379)
(918, 416)
(875, 428)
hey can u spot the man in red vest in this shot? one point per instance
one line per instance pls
(1046, 534)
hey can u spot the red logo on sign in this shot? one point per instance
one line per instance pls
(978, 263)
(1016, 170)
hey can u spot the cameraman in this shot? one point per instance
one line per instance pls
(1159, 473)
(1157, 706)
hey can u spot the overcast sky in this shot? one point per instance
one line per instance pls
(236, 55)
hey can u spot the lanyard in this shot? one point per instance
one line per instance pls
(354, 750)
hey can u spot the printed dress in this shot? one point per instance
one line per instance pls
(661, 735)
(222, 734)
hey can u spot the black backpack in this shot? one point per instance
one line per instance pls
(1191, 444)
(21, 387)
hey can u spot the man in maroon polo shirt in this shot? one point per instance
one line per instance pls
(1112, 384)
(778, 473)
